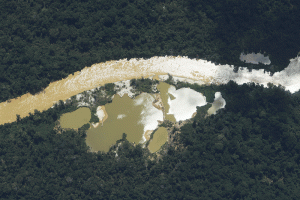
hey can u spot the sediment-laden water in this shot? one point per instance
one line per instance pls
(125, 115)
(112, 71)
(75, 119)
(163, 88)
(218, 103)
(160, 137)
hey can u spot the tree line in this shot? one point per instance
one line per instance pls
(248, 150)
(45, 41)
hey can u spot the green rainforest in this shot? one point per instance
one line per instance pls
(248, 150)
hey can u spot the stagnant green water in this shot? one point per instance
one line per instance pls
(163, 89)
(123, 117)
(76, 119)
(159, 138)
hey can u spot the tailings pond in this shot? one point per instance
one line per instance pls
(125, 115)
(159, 138)
(76, 119)
(138, 117)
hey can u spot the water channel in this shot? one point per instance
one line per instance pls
(112, 71)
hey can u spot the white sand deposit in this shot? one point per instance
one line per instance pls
(185, 102)
(219, 103)
(82, 104)
(150, 115)
(101, 114)
(163, 77)
(113, 71)
(79, 97)
(124, 88)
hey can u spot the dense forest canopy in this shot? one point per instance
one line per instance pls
(44, 41)
(249, 150)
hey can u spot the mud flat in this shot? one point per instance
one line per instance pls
(114, 71)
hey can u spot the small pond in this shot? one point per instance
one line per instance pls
(76, 119)
(160, 137)
(255, 58)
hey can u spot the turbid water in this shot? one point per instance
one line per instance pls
(125, 115)
(75, 119)
(219, 102)
(202, 71)
(138, 117)
(255, 58)
(160, 137)
(123, 118)
(163, 89)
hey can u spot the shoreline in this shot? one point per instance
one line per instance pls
(113, 71)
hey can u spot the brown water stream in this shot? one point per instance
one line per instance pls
(99, 74)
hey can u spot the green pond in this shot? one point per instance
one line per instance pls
(123, 117)
(163, 89)
(159, 138)
(76, 119)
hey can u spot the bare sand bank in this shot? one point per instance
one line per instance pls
(114, 71)
(102, 115)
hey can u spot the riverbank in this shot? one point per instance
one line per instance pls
(114, 71)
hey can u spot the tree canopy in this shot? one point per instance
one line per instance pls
(45, 41)
(248, 150)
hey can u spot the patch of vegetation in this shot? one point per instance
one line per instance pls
(110, 89)
(94, 118)
(202, 111)
(143, 84)
(66, 108)
(166, 123)
(151, 137)
(207, 90)
(170, 80)
(82, 130)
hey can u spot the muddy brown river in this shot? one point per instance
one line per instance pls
(100, 74)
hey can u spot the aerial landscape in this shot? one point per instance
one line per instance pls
(140, 99)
